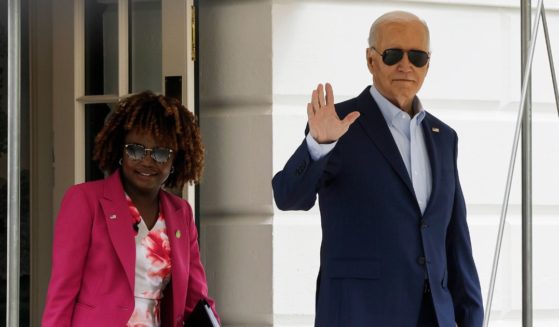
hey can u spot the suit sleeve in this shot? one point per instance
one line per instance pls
(71, 242)
(295, 186)
(197, 285)
(463, 280)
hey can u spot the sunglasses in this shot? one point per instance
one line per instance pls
(139, 152)
(391, 57)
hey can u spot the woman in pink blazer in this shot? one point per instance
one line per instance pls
(125, 251)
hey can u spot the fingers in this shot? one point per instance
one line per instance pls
(321, 100)
(314, 100)
(351, 118)
(310, 111)
(317, 98)
(329, 94)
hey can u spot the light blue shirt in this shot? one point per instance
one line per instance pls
(409, 138)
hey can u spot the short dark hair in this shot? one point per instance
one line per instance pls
(166, 119)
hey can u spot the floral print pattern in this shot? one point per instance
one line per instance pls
(153, 269)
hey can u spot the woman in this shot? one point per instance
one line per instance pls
(125, 251)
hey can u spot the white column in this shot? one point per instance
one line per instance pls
(236, 196)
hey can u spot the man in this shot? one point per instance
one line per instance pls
(395, 243)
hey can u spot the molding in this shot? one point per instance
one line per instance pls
(497, 4)
(79, 90)
(236, 219)
(93, 99)
(122, 49)
(227, 110)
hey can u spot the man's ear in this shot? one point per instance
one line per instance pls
(369, 57)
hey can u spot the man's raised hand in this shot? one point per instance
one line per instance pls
(324, 123)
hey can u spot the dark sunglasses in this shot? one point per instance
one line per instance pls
(392, 56)
(139, 152)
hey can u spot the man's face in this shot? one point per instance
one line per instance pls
(400, 82)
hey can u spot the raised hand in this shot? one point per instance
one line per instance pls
(324, 123)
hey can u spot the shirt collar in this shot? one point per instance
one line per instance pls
(391, 112)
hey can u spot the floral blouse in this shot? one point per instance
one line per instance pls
(153, 269)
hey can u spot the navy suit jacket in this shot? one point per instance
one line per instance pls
(377, 248)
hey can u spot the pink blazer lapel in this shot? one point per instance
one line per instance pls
(176, 223)
(119, 223)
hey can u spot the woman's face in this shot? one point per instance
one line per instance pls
(141, 172)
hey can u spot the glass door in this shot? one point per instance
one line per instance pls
(128, 47)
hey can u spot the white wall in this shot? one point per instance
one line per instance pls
(473, 85)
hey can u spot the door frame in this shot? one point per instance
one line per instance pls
(58, 109)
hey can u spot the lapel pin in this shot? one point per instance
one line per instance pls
(178, 233)
(434, 129)
(112, 217)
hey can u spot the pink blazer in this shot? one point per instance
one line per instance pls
(94, 256)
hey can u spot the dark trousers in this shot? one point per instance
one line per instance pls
(427, 315)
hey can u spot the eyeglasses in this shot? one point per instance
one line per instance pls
(392, 56)
(139, 152)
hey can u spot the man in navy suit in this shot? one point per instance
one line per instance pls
(395, 248)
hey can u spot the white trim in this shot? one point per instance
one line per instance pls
(93, 99)
(123, 44)
(188, 87)
(188, 90)
(550, 5)
(175, 28)
(79, 91)
(176, 40)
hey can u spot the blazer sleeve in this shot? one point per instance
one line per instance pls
(72, 235)
(197, 285)
(463, 280)
(295, 186)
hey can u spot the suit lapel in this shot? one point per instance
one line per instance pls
(430, 133)
(119, 224)
(376, 128)
(176, 225)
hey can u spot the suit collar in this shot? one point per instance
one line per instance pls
(120, 224)
(376, 128)
(431, 132)
(177, 232)
(390, 111)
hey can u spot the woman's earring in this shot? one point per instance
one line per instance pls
(120, 162)
(172, 169)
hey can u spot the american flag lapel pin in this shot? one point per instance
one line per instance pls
(435, 129)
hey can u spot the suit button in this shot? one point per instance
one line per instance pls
(421, 260)
(423, 224)
(301, 168)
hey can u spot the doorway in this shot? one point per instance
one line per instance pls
(99, 51)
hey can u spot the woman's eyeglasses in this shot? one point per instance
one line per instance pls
(391, 57)
(138, 152)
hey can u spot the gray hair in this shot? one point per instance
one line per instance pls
(402, 16)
